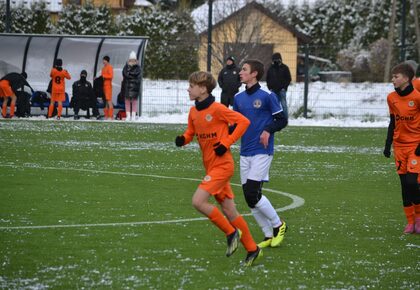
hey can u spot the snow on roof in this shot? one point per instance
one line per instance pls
(142, 3)
(221, 10)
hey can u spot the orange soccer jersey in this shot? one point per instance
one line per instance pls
(416, 84)
(108, 74)
(210, 126)
(59, 84)
(406, 110)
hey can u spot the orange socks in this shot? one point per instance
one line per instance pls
(105, 113)
(12, 110)
(111, 113)
(50, 110)
(59, 110)
(409, 213)
(217, 218)
(4, 108)
(246, 238)
(417, 211)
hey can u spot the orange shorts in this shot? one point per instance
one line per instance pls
(58, 97)
(108, 93)
(406, 160)
(5, 89)
(217, 183)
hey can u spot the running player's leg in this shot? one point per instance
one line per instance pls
(254, 170)
(201, 203)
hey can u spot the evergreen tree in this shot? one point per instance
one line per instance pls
(85, 20)
(35, 19)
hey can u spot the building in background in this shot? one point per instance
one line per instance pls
(248, 31)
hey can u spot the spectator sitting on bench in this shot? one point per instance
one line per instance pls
(84, 97)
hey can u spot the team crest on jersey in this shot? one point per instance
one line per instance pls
(209, 117)
(411, 103)
(207, 178)
(414, 162)
(257, 104)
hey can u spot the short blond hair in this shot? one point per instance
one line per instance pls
(203, 79)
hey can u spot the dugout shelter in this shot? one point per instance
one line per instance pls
(35, 54)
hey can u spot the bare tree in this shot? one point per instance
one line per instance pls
(390, 41)
(416, 23)
(244, 33)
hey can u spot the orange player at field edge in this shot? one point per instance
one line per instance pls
(58, 89)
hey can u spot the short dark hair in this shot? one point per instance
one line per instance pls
(404, 69)
(203, 79)
(106, 58)
(257, 66)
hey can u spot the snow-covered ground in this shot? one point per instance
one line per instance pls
(330, 104)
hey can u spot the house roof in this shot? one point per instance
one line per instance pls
(302, 37)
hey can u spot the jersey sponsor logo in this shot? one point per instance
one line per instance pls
(404, 118)
(207, 178)
(209, 117)
(257, 103)
(203, 136)
(411, 103)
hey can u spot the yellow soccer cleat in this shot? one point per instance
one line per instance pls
(266, 243)
(276, 241)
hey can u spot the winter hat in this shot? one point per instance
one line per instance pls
(83, 73)
(58, 62)
(231, 58)
(276, 56)
(133, 55)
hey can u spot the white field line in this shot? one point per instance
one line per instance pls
(296, 200)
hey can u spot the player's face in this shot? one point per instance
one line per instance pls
(399, 81)
(245, 74)
(195, 91)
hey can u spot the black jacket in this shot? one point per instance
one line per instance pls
(17, 81)
(229, 79)
(83, 94)
(278, 77)
(130, 88)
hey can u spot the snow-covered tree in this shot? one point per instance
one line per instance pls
(172, 48)
(35, 19)
(85, 20)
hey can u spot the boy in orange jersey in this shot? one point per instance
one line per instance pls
(404, 132)
(209, 121)
(58, 90)
(108, 74)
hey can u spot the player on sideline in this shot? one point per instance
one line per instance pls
(9, 84)
(208, 121)
(262, 108)
(58, 89)
(108, 74)
(404, 133)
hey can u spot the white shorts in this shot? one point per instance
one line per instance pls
(255, 167)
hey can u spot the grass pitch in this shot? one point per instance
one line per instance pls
(108, 205)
